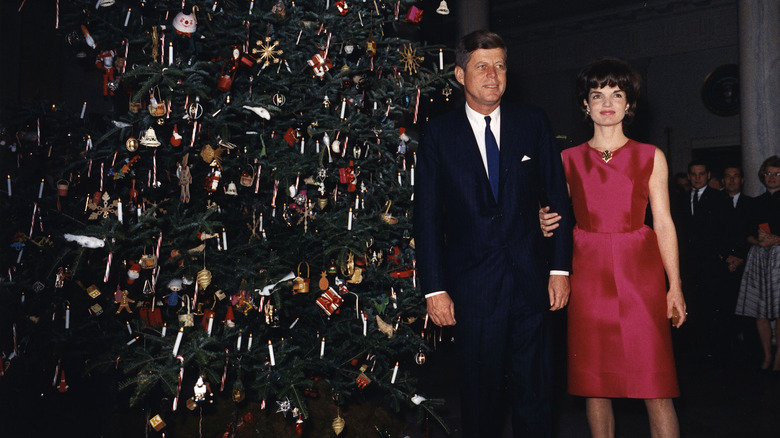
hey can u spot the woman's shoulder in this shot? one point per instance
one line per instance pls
(575, 150)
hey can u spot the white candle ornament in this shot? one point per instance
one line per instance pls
(40, 190)
(83, 109)
(322, 347)
(170, 53)
(343, 107)
(395, 373)
(271, 353)
(441, 60)
(129, 329)
(224, 240)
(67, 316)
(119, 211)
(178, 341)
(349, 220)
(249, 343)
(238, 342)
(164, 330)
(127, 17)
(211, 324)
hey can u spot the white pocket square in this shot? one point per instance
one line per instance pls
(526, 158)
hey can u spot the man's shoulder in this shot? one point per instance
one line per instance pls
(521, 110)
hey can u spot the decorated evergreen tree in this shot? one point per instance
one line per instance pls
(239, 221)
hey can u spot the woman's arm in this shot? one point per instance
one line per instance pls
(667, 236)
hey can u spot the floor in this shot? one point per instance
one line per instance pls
(724, 394)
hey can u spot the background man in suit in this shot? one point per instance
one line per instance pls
(484, 170)
(740, 328)
(705, 221)
(733, 180)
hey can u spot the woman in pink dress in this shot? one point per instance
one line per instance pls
(619, 335)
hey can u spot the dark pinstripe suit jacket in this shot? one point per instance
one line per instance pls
(464, 237)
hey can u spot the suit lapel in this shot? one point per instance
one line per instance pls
(510, 148)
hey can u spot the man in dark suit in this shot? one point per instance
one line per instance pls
(738, 329)
(733, 180)
(706, 218)
(484, 170)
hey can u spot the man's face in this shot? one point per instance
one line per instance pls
(484, 79)
(733, 180)
(699, 176)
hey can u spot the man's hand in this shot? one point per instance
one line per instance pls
(441, 309)
(548, 221)
(559, 289)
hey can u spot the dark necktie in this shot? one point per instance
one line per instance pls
(695, 201)
(491, 151)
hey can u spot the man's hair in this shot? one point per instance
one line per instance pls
(609, 72)
(698, 163)
(773, 161)
(734, 166)
(479, 39)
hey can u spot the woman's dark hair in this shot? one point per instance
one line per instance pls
(773, 161)
(479, 39)
(609, 72)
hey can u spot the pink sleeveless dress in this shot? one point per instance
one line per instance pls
(619, 339)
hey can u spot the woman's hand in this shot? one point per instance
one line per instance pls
(764, 239)
(548, 221)
(675, 304)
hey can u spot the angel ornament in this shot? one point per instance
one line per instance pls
(185, 179)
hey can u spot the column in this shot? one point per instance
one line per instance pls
(759, 72)
(472, 15)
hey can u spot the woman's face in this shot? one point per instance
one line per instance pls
(772, 178)
(607, 105)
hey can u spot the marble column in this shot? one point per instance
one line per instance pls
(472, 15)
(759, 76)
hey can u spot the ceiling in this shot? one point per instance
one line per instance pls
(518, 15)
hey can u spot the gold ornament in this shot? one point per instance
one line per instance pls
(338, 424)
(204, 278)
(409, 58)
(212, 156)
(238, 395)
(384, 327)
(419, 358)
(324, 283)
(131, 144)
(267, 52)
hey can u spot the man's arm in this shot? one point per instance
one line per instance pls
(429, 233)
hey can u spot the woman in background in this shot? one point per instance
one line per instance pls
(759, 293)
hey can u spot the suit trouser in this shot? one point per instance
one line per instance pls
(514, 340)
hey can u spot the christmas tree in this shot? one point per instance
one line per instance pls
(239, 221)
